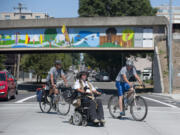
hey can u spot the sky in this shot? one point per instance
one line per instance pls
(59, 8)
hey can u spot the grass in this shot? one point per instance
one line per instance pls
(9, 42)
(109, 45)
(47, 46)
(31, 42)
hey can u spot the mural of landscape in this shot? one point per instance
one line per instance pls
(124, 37)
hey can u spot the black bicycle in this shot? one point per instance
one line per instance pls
(138, 105)
(58, 103)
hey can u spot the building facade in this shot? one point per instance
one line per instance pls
(23, 15)
(164, 11)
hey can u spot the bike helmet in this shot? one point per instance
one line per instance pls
(57, 62)
(82, 73)
(129, 63)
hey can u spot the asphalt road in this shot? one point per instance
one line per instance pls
(23, 116)
(26, 118)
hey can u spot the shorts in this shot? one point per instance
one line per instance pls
(122, 87)
(49, 85)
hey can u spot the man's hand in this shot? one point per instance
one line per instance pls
(66, 84)
(130, 84)
(54, 86)
(99, 93)
(82, 91)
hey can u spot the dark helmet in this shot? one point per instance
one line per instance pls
(57, 62)
(129, 63)
(82, 73)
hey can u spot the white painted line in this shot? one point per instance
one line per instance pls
(25, 99)
(154, 100)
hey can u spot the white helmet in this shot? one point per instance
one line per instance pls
(129, 63)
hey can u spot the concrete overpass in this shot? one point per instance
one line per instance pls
(127, 34)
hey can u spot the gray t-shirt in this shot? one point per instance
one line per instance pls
(128, 73)
(56, 73)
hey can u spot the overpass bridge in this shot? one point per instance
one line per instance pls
(86, 34)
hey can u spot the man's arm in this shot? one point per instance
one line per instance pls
(64, 79)
(126, 80)
(52, 80)
(81, 90)
(138, 78)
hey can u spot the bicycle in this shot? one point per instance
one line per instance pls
(58, 103)
(136, 103)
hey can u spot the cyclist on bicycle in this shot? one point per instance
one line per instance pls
(123, 84)
(52, 77)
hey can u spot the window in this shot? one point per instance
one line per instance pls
(2, 77)
(7, 17)
(23, 17)
(37, 17)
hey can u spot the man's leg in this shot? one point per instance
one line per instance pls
(120, 94)
(121, 103)
(92, 110)
(100, 111)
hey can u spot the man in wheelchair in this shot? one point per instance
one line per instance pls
(95, 108)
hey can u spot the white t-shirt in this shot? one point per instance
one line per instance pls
(77, 85)
(128, 73)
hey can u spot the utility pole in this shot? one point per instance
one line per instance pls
(170, 49)
(19, 8)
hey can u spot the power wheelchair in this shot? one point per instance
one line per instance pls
(81, 112)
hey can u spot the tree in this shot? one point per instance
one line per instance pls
(2, 60)
(91, 8)
(50, 35)
(41, 63)
(108, 61)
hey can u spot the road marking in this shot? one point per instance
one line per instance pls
(25, 99)
(173, 106)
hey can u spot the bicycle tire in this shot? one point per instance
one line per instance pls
(132, 111)
(112, 106)
(44, 102)
(60, 109)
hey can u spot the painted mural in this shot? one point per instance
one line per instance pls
(124, 37)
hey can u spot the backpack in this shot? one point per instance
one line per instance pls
(39, 94)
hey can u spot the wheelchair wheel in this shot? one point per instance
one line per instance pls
(77, 119)
(102, 124)
(84, 123)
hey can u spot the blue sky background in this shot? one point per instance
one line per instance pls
(58, 8)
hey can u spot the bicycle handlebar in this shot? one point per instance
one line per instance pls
(137, 85)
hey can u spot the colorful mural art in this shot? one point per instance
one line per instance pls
(124, 37)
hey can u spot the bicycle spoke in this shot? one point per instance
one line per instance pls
(139, 108)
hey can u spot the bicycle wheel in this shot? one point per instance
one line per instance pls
(113, 106)
(44, 104)
(63, 107)
(138, 108)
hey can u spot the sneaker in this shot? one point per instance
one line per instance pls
(96, 121)
(122, 113)
(102, 121)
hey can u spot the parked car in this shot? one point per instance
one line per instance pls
(8, 86)
(102, 76)
(147, 74)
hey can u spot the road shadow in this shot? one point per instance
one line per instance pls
(29, 86)
(52, 113)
